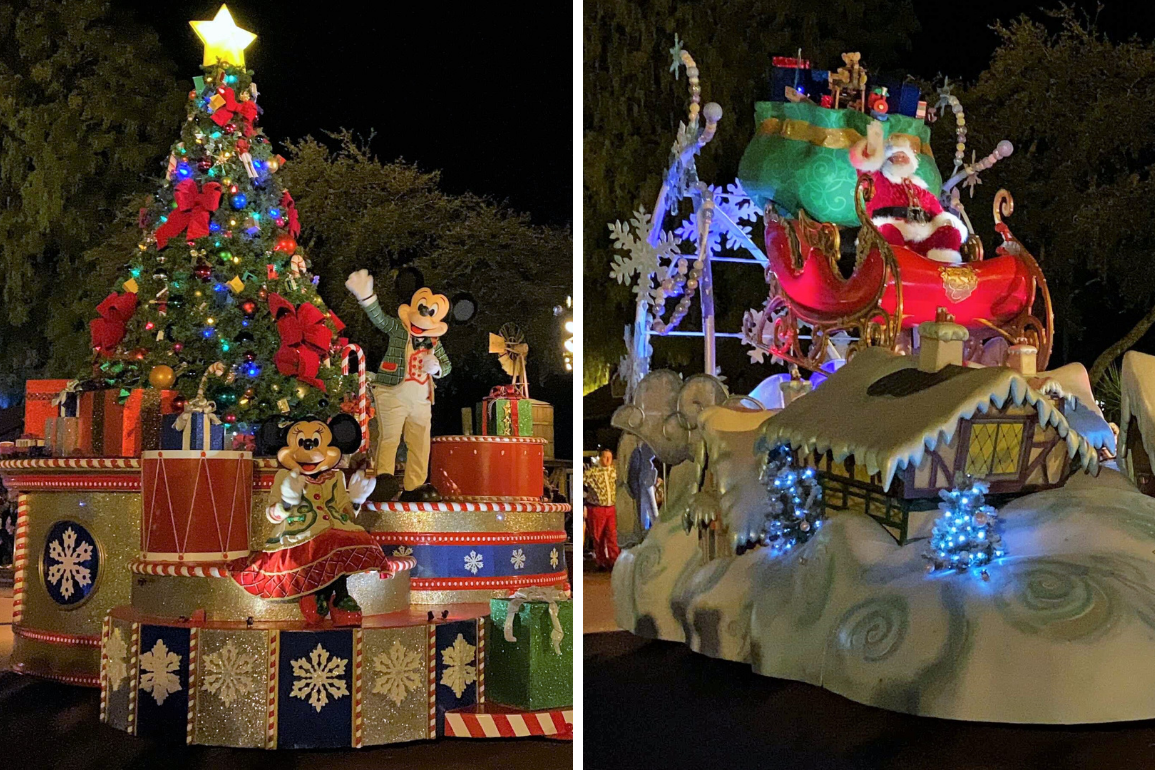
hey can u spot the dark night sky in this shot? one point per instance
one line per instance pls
(480, 91)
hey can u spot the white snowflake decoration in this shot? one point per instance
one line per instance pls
(736, 205)
(230, 674)
(403, 550)
(159, 666)
(319, 677)
(69, 560)
(632, 367)
(399, 672)
(473, 562)
(517, 559)
(553, 558)
(117, 652)
(642, 259)
(459, 671)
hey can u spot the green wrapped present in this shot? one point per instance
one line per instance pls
(800, 157)
(530, 650)
(505, 412)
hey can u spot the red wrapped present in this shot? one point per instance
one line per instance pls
(143, 420)
(38, 406)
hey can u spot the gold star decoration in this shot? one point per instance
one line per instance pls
(223, 39)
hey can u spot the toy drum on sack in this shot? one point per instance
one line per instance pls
(195, 505)
(488, 468)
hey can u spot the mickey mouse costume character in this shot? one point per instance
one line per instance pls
(316, 544)
(403, 392)
(902, 208)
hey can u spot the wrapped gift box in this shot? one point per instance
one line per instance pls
(529, 673)
(144, 413)
(63, 439)
(505, 413)
(38, 406)
(101, 419)
(200, 432)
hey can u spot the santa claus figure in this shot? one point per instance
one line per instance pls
(902, 208)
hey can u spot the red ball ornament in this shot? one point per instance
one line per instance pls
(139, 354)
(250, 356)
(177, 347)
(286, 244)
(204, 164)
(178, 403)
(262, 293)
(230, 418)
(203, 271)
(249, 308)
(230, 128)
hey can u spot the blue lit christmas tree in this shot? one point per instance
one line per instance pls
(795, 512)
(965, 536)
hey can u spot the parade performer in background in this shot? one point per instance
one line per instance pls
(403, 384)
(902, 208)
(601, 483)
(316, 544)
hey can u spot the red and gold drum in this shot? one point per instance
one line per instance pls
(195, 505)
(488, 468)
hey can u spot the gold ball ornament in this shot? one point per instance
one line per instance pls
(161, 377)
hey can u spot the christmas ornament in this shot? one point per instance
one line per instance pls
(203, 271)
(239, 201)
(248, 308)
(161, 377)
(286, 244)
(178, 403)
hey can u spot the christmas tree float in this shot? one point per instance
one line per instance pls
(219, 275)
(965, 535)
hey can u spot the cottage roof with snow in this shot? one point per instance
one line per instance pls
(880, 409)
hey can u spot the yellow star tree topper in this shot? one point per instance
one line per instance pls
(223, 39)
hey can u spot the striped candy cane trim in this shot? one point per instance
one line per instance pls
(134, 656)
(464, 724)
(77, 680)
(432, 658)
(271, 690)
(362, 391)
(19, 559)
(481, 660)
(68, 463)
(105, 630)
(176, 569)
(56, 637)
(96, 483)
(479, 507)
(467, 538)
(358, 696)
(193, 668)
(488, 440)
(401, 563)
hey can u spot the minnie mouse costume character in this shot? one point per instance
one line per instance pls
(316, 544)
(902, 208)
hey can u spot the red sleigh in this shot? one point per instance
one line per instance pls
(893, 289)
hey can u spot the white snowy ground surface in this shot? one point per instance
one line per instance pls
(1062, 633)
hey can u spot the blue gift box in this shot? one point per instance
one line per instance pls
(199, 426)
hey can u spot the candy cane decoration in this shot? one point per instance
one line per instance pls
(362, 390)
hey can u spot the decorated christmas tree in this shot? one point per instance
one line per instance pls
(218, 275)
(795, 512)
(965, 535)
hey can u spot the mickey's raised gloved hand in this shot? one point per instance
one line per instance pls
(360, 284)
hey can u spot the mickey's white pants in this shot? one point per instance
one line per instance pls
(404, 410)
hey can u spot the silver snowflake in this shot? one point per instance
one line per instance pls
(641, 259)
(403, 550)
(159, 666)
(229, 674)
(318, 677)
(69, 559)
(632, 367)
(459, 671)
(517, 559)
(116, 650)
(736, 205)
(399, 672)
(553, 558)
(676, 53)
(473, 562)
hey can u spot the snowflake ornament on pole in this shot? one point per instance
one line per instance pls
(965, 535)
(795, 512)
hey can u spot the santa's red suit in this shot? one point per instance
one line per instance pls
(902, 208)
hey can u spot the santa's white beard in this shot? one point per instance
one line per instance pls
(896, 172)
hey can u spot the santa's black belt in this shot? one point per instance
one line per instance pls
(903, 212)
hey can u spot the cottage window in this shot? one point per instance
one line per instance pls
(995, 449)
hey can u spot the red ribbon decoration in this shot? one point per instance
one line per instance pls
(304, 339)
(511, 392)
(247, 109)
(290, 208)
(192, 211)
(108, 330)
(338, 327)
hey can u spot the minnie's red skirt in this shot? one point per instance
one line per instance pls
(301, 569)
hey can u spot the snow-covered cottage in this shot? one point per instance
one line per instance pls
(892, 431)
